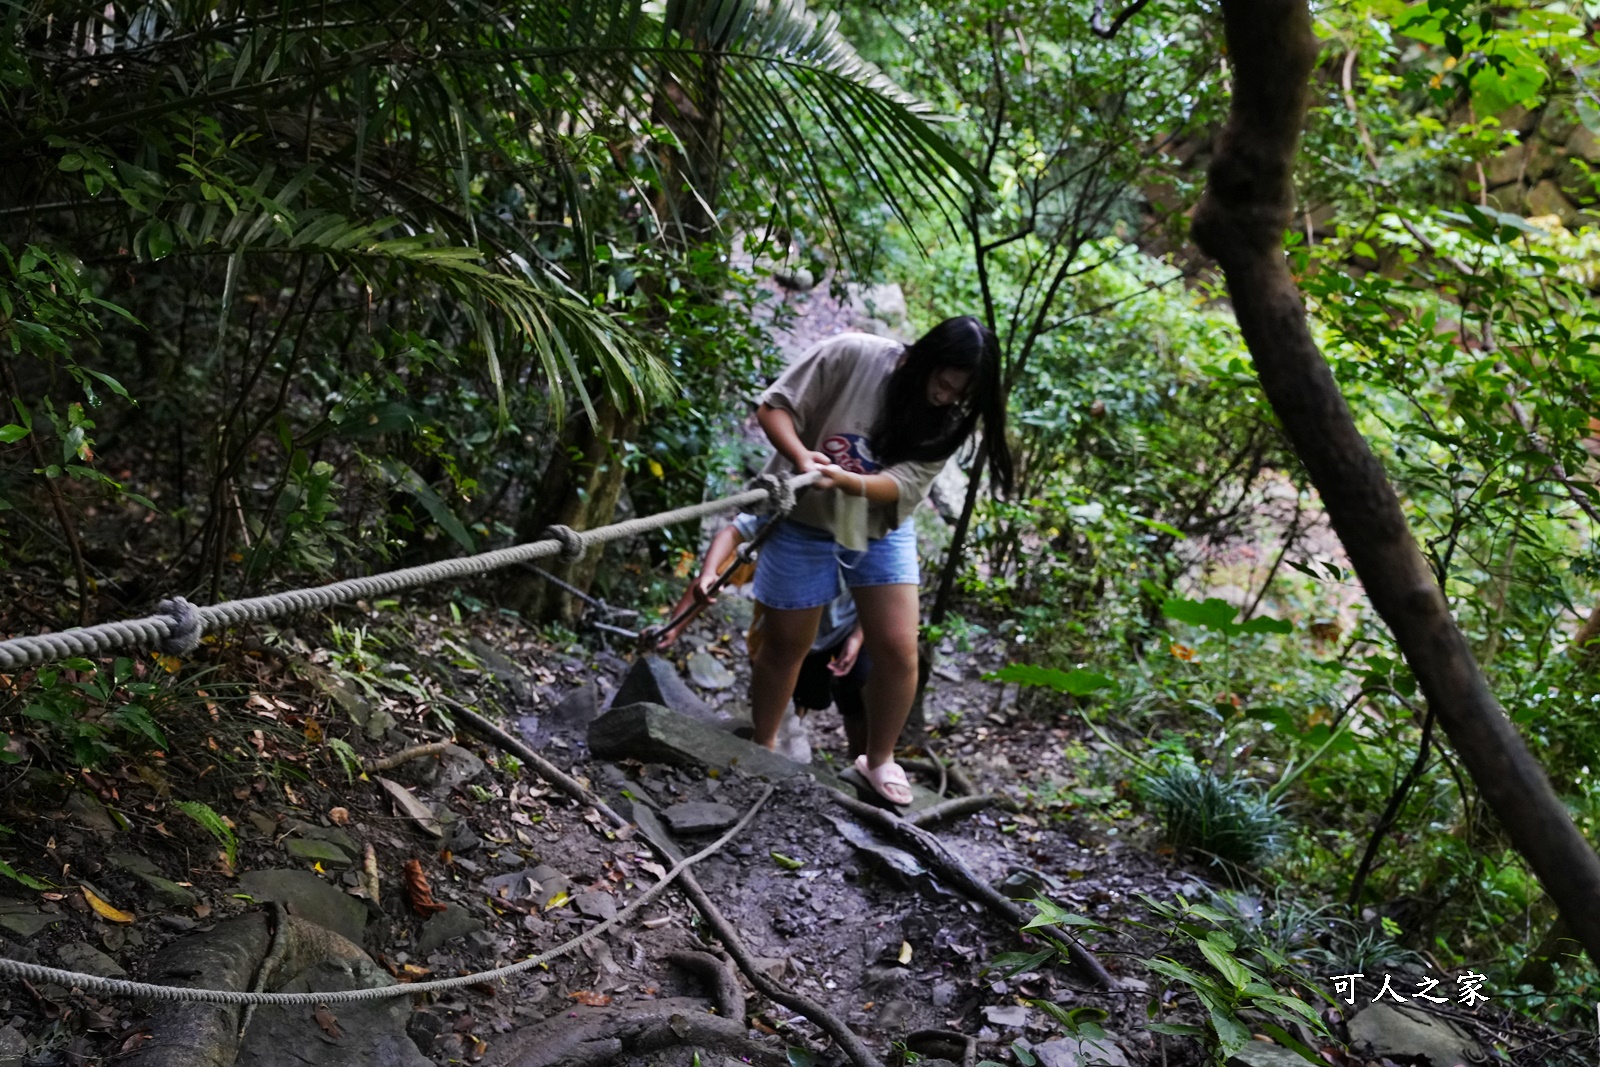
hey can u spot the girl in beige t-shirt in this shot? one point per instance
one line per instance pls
(878, 421)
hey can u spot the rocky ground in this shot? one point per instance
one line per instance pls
(827, 905)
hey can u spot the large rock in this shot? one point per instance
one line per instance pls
(709, 672)
(13, 1047)
(654, 734)
(22, 919)
(1547, 199)
(86, 959)
(1262, 1054)
(161, 887)
(1401, 1032)
(884, 303)
(1080, 1052)
(304, 1035)
(699, 817)
(447, 925)
(309, 897)
(653, 680)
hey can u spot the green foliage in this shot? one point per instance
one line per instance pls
(1228, 819)
(213, 824)
(348, 759)
(92, 712)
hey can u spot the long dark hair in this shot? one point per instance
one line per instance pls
(910, 428)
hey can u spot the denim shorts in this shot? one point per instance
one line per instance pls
(799, 566)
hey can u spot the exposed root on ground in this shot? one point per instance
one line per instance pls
(598, 1037)
(943, 862)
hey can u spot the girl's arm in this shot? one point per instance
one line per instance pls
(877, 488)
(721, 551)
(779, 427)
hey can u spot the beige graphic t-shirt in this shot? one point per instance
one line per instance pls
(834, 393)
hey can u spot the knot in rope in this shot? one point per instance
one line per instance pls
(780, 494)
(572, 542)
(183, 628)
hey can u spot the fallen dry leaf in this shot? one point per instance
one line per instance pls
(905, 952)
(329, 1024)
(590, 999)
(418, 891)
(339, 816)
(104, 910)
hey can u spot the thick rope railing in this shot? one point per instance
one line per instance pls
(177, 631)
(121, 987)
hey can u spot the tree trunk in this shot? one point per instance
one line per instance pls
(1241, 220)
(580, 489)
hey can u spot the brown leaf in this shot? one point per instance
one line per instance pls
(589, 998)
(329, 1024)
(339, 816)
(418, 891)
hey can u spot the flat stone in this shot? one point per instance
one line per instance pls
(709, 672)
(373, 720)
(22, 919)
(87, 811)
(1010, 1016)
(309, 897)
(1085, 1052)
(1546, 199)
(314, 851)
(898, 860)
(331, 834)
(265, 825)
(699, 817)
(1582, 143)
(595, 904)
(508, 671)
(457, 767)
(654, 734)
(653, 680)
(577, 709)
(370, 1031)
(161, 887)
(1401, 1032)
(13, 1047)
(885, 302)
(447, 925)
(84, 957)
(408, 804)
(1262, 1054)
(542, 884)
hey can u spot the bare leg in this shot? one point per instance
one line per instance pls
(889, 615)
(786, 638)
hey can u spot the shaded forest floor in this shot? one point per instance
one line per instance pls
(268, 732)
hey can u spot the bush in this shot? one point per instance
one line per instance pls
(1229, 819)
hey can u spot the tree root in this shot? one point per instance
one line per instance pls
(406, 755)
(947, 865)
(945, 1045)
(598, 1037)
(657, 838)
(541, 766)
(195, 1034)
(725, 932)
(720, 976)
(958, 806)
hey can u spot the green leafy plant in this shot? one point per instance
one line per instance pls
(213, 824)
(92, 710)
(1231, 819)
(353, 767)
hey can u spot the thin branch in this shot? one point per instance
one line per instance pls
(1097, 21)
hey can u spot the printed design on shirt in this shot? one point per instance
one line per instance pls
(852, 452)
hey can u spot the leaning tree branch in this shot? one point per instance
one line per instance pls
(1241, 219)
(1391, 811)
